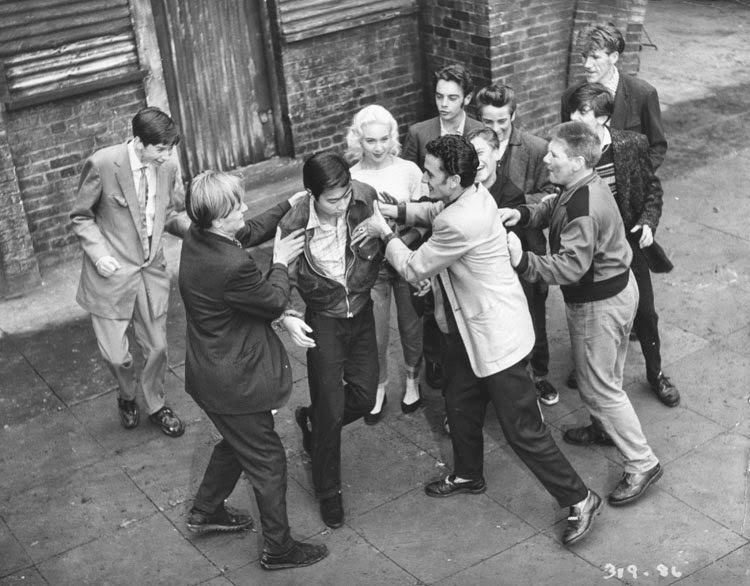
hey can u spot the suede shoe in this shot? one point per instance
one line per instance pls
(302, 417)
(373, 418)
(332, 511)
(572, 380)
(546, 392)
(586, 436)
(433, 374)
(168, 422)
(129, 414)
(301, 554)
(666, 391)
(632, 486)
(581, 518)
(224, 520)
(448, 487)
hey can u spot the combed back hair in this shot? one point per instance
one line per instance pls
(153, 126)
(498, 96)
(373, 114)
(323, 170)
(212, 196)
(458, 74)
(600, 36)
(592, 96)
(579, 141)
(486, 134)
(457, 157)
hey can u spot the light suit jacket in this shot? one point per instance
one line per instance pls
(421, 133)
(468, 251)
(106, 217)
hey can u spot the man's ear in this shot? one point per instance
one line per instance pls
(614, 57)
(467, 100)
(454, 181)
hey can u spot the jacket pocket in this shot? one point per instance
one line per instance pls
(119, 199)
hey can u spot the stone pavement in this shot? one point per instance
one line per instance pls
(82, 501)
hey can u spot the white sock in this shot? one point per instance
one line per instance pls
(411, 395)
(379, 399)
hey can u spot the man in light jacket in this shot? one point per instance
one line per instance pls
(475, 290)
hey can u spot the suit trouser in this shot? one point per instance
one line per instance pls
(646, 324)
(249, 443)
(342, 372)
(151, 336)
(599, 332)
(513, 396)
(536, 298)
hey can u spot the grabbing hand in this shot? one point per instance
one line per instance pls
(298, 330)
(297, 197)
(509, 216)
(387, 198)
(286, 249)
(423, 288)
(514, 248)
(375, 226)
(647, 236)
(107, 266)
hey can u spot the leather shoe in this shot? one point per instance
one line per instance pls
(129, 414)
(433, 374)
(632, 486)
(168, 422)
(586, 436)
(224, 520)
(407, 408)
(332, 511)
(373, 418)
(666, 391)
(301, 554)
(581, 518)
(448, 487)
(302, 417)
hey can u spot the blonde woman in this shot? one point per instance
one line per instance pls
(374, 147)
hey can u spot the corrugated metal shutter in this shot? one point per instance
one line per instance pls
(302, 19)
(56, 48)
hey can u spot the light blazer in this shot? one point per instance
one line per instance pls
(421, 133)
(106, 216)
(468, 251)
(637, 109)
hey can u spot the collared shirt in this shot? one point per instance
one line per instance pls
(328, 246)
(135, 166)
(611, 85)
(459, 131)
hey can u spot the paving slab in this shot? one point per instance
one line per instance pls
(13, 557)
(733, 568)
(27, 577)
(150, 551)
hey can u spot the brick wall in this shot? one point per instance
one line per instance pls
(49, 144)
(329, 78)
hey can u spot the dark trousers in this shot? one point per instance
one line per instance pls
(646, 324)
(513, 396)
(536, 297)
(249, 443)
(431, 349)
(342, 372)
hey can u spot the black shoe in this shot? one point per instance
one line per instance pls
(433, 374)
(666, 391)
(332, 511)
(587, 435)
(373, 418)
(301, 554)
(303, 421)
(448, 487)
(168, 422)
(224, 520)
(546, 392)
(572, 380)
(129, 414)
(632, 486)
(407, 408)
(581, 518)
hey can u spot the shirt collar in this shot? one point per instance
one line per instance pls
(454, 199)
(611, 85)
(459, 130)
(135, 162)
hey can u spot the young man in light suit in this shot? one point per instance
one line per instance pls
(476, 289)
(128, 196)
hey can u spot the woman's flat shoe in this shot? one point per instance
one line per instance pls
(412, 407)
(373, 418)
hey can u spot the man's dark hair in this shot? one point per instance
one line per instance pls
(457, 157)
(579, 140)
(456, 73)
(153, 126)
(592, 96)
(600, 36)
(487, 134)
(497, 96)
(324, 170)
